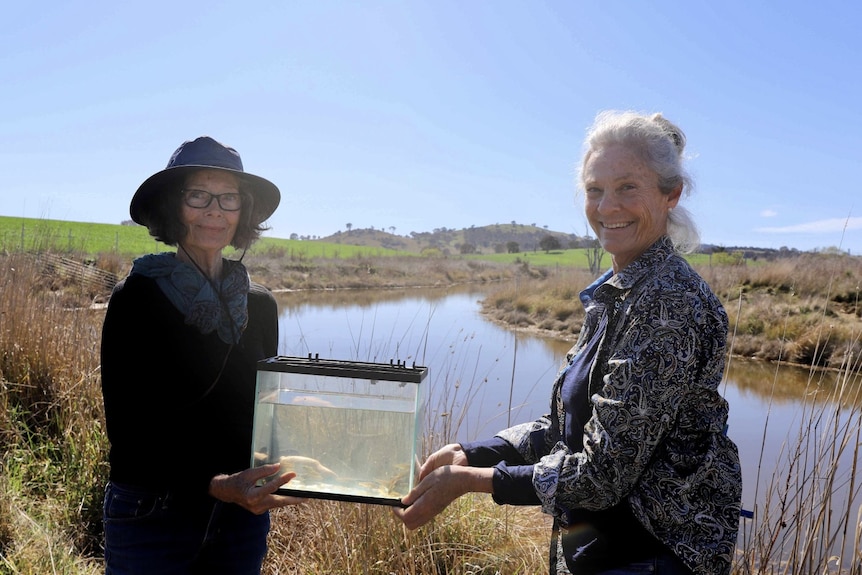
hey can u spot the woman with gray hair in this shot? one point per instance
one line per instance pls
(661, 145)
(632, 461)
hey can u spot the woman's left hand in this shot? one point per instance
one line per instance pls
(242, 488)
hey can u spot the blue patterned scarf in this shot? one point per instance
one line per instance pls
(225, 310)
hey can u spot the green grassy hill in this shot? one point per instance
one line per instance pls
(29, 234)
(90, 240)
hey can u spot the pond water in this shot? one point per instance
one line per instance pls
(483, 377)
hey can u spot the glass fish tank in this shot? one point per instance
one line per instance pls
(351, 431)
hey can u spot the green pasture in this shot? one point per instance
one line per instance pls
(90, 239)
(35, 235)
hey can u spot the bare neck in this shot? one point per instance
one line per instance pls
(208, 263)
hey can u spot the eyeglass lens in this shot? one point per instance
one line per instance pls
(229, 202)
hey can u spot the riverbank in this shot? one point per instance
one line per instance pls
(803, 310)
(390, 272)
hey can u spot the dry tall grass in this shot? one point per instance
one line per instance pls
(53, 447)
(805, 310)
(473, 537)
(53, 462)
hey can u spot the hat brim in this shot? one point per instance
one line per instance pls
(142, 208)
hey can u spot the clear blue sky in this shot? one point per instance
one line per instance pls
(438, 113)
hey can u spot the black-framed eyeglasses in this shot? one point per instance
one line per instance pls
(229, 202)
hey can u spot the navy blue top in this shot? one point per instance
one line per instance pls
(576, 390)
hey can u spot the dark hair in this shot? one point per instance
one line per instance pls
(166, 225)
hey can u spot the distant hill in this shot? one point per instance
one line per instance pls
(509, 238)
(496, 238)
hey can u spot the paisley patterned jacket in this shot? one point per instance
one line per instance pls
(656, 437)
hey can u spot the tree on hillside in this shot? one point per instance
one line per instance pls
(348, 226)
(549, 243)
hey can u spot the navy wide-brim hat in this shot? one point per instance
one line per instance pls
(200, 153)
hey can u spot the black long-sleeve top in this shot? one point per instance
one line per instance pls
(168, 425)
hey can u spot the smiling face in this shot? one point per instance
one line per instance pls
(623, 203)
(209, 229)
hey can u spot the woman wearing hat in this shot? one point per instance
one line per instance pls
(180, 344)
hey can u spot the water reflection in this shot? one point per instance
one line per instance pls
(481, 376)
(784, 383)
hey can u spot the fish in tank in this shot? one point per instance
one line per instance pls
(350, 430)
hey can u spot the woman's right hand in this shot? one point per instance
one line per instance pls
(242, 488)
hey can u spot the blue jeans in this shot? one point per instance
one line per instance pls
(149, 532)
